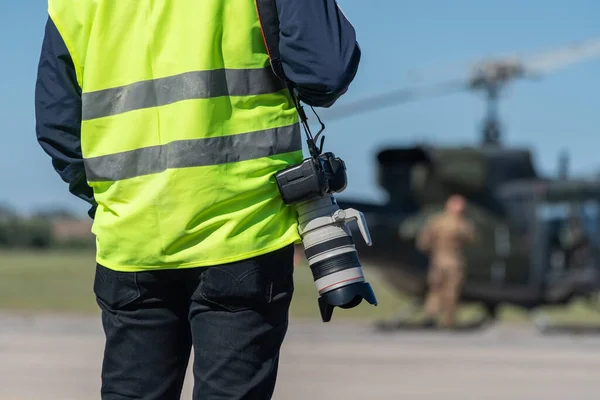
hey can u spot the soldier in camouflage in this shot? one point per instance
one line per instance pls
(444, 237)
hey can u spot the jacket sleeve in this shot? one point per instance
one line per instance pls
(318, 49)
(58, 114)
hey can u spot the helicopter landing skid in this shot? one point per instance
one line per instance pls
(402, 321)
(544, 325)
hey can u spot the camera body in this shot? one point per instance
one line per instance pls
(327, 241)
(325, 174)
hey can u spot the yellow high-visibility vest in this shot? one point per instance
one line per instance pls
(184, 126)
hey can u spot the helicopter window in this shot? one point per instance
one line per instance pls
(560, 214)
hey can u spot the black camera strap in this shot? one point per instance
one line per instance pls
(269, 21)
(311, 141)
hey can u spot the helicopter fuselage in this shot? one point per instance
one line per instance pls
(518, 217)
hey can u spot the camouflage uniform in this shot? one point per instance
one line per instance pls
(444, 237)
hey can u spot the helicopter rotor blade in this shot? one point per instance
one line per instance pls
(562, 57)
(510, 66)
(482, 73)
(392, 98)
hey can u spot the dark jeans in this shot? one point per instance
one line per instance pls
(234, 315)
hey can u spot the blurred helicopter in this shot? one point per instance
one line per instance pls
(521, 217)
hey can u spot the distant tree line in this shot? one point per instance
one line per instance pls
(46, 229)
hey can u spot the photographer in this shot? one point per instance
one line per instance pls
(167, 118)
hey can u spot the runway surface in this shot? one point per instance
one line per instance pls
(58, 358)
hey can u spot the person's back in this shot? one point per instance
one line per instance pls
(444, 237)
(167, 118)
(184, 125)
(448, 235)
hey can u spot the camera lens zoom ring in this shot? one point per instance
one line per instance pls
(332, 244)
(337, 263)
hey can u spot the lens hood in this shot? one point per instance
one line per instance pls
(345, 297)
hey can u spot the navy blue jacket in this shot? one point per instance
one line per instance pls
(318, 49)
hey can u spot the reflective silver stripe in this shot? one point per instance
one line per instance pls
(194, 153)
(187, 86)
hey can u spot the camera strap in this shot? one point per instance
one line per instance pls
(269, 21)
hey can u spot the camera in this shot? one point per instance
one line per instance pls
(327, 241)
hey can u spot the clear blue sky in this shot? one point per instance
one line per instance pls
(396, 36)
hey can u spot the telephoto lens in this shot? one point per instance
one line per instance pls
(331, 254)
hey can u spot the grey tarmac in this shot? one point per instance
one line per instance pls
(59, 358)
